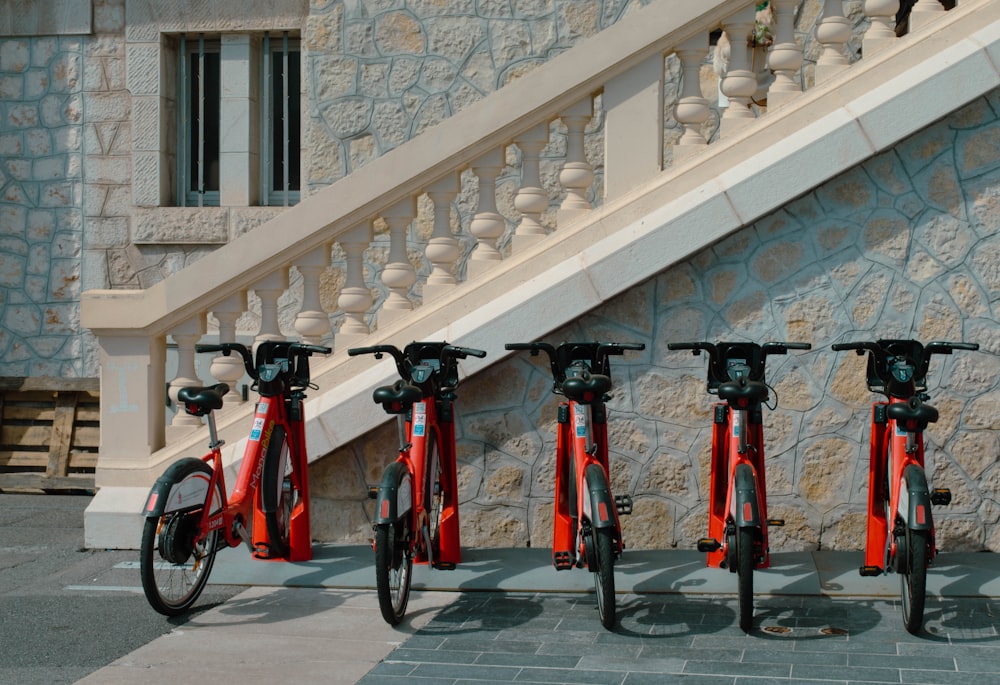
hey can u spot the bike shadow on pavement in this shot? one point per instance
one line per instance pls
(672, 616)
(268, 605)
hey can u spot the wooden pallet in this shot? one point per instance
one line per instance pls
(49, 433)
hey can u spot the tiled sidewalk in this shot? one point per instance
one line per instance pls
(557, 638)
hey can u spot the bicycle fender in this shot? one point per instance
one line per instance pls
(393, 501)
(184, 485)
(745, 497)
(602, 504)
(915, 499)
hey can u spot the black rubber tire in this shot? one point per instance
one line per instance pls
(277, 500)
(434, 492)
(744, 569)
(174, 567)
(913, 582)
(393, 571)
(604, 576)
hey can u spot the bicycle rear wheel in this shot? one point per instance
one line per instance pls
(913, 581)
(604, 576)
(278, 495)
(744, 569)
(393, 571)
(174, 560)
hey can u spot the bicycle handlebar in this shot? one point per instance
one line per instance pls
(568, 353)
(264, 352)
(886, 353)
(415, 353)
(752, 354)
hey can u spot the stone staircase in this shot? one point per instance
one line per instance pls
(649, 217)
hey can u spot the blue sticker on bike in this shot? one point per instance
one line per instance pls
(419, 419)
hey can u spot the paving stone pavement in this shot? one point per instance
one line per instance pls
(557, 638)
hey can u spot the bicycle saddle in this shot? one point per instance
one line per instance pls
(912, 415)
(743, 393)
(398, 397)
(587, 387)
(199, 401)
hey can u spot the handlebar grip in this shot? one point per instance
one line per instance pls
(375, 349)
(311, 349)
(840, 347)
(942, 347)
(798, 346)
(210, 348)
(521, 346)
(684, 346)
(463, 352)
(619, 348)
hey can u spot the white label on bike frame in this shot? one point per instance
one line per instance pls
(737, 424)
(404, 497)
(580, 422)
(188, 493)
(258, 426)
(419, 419)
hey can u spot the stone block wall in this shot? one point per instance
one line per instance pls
(41, 223)
(905, 245)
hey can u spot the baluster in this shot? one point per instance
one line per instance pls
(269, 289)
(186, 336)
(577, 174)
(880, 33)
(487, 224)
(531, 199)
(442, 249)
(833, 32)
(785, 56)
(740, 83)
(399, 274)
(229, 370)
(692, 109)
(355, 297)
(924, 12)
(312, 323)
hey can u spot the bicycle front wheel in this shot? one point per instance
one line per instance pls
(913, 582)
(175, 560)
(278, 495)
(744, 569)
(434, 496)
(393, 571)
(604, 576)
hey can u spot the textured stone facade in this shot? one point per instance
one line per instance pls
(41, 222)
(374, 75)
(905, 245)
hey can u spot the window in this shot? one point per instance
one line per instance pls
(222, 133)
(282, 112)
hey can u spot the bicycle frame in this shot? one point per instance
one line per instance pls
(737, 484)
(244, 504)
(893, 451)
(422, 424)
(581, 441)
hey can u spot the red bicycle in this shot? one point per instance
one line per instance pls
(737, 501)
(901, 537)
(188, 515)
(586, 528)
(416, 511)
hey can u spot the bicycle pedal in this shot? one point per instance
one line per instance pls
(776, 523)
(941, 497)
(870, 571)
(623, 503)
(709, 545)
(445, 565)
(563, 561)
(372, 492)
